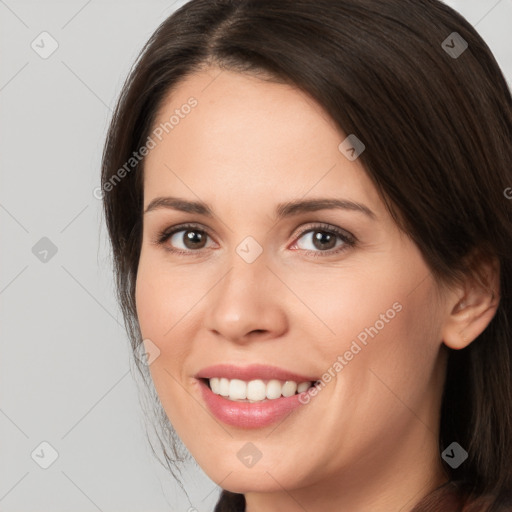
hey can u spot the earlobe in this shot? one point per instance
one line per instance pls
(475, 306)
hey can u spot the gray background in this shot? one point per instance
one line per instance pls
(65, 360)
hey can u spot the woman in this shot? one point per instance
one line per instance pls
(307, 203)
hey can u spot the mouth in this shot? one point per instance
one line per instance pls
(257, 390)
(254, 396)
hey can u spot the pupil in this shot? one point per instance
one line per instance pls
(324, 239)
(192, 238)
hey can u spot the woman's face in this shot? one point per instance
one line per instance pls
(266, 289)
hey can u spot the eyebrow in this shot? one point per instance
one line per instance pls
(287, 209)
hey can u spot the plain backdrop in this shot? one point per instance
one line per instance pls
(67, 397)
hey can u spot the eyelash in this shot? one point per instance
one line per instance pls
(348, 239)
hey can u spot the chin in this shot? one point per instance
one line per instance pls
(262, 481)
(264, 476)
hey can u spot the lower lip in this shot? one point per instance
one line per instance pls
(247, 414)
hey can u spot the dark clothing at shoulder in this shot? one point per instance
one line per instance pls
(230, 502)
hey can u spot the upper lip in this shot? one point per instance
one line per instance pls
(252, 372)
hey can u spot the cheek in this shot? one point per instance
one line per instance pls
(167, 304)
(160, 306)
(394, 367)
(385, 372)
(147, 297)
(361, 303)
(379, 332)
(162, 299)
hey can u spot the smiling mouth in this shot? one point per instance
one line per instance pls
(257, 390)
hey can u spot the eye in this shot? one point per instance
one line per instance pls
(183, 239)
(321, 240)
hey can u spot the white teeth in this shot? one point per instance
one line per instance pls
(237, 389)
(224, 387)
(256, 390)
(274, 389)
(303, 386)
(215, 385)
(290, 387)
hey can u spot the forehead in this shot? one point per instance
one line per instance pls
(243, 135)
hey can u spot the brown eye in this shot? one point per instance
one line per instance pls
(320, 240)
(184, 239)
(324, 240)
(189, 238)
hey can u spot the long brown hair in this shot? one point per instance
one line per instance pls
(437, 127)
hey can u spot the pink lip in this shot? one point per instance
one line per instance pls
(245, 414)
(252, 372)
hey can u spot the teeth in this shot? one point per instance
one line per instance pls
(290, 387)
(215, 385)
(237, 389)
(274, 389)
(303, 386)
(224, 387)
(256, 390)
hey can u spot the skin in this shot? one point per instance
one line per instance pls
(368, 440)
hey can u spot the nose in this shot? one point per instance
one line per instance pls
(247, 304)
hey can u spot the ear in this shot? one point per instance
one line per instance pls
(472, 305)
